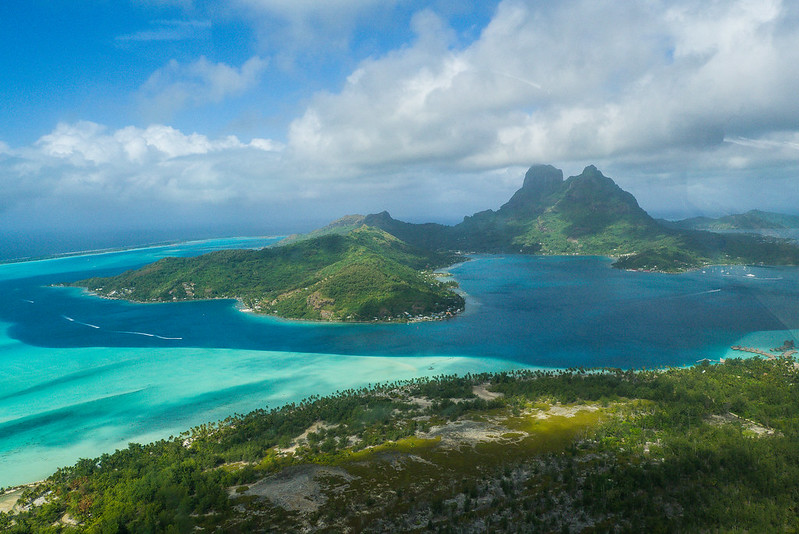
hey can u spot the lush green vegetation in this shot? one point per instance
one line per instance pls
(377, 268)
(341, 226)
(363, 275)
(588, 214)
(751, 220)
(704, 449)
(691, 249)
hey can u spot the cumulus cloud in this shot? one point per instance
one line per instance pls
(566, 81)
(87, 143)
(177, 85)
(159, 163)
(83, 176)
(689, 105)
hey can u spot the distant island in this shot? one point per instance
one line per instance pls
(588, 214)
(751, 220)
(377, 268)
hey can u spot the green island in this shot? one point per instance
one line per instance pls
(588, 214)
(365, 275)
(377, 268)
(751, 220)
(702, 449)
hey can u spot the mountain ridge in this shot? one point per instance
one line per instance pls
(585, 214)
(750, 220)
(363, 268)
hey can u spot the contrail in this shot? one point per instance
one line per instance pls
(512, 77)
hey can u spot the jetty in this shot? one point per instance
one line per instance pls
(754, 351)
(787, 350)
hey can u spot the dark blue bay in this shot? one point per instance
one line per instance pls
(543, 311)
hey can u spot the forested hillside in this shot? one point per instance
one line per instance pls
(364, 275)
(751, 220)
(709, 448)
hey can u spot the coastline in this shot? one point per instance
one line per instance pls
(241, 307)
(129, 248)
(91, 252)
(10, 496)
(448, 365)
(392, 369)
(244, 308)
(221, 382)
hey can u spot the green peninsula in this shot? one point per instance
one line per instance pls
(364, 275)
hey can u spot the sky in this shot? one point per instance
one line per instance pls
(130, 120)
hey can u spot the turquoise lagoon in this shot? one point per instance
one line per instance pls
(80, 375)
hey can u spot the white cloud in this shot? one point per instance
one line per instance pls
(177, 85)
(86, 175)
(784, 142)
(87, 160)
(87, 143)
(690, 105)
(561, 82)
(267, 144)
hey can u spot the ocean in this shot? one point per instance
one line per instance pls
(81, 375)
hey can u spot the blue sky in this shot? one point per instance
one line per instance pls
(185, 117)
(92, 60)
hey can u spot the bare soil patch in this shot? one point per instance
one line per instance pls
(455, 434)
(484, 394)
(758, 429)
(298, 488)
(566, 411)
(9, 500)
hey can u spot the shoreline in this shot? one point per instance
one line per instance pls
(10, 496)
(317, 323)
(243, 308)
(112, 250)
(317, 370)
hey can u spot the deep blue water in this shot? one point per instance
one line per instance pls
(83, 375)
(543, 311)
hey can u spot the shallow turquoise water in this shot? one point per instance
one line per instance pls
(82, 375)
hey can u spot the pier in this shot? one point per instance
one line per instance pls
(787, 350)
(754, 351)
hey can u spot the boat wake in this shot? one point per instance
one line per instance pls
(696, 294)
(71, 320)
(146, 334)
